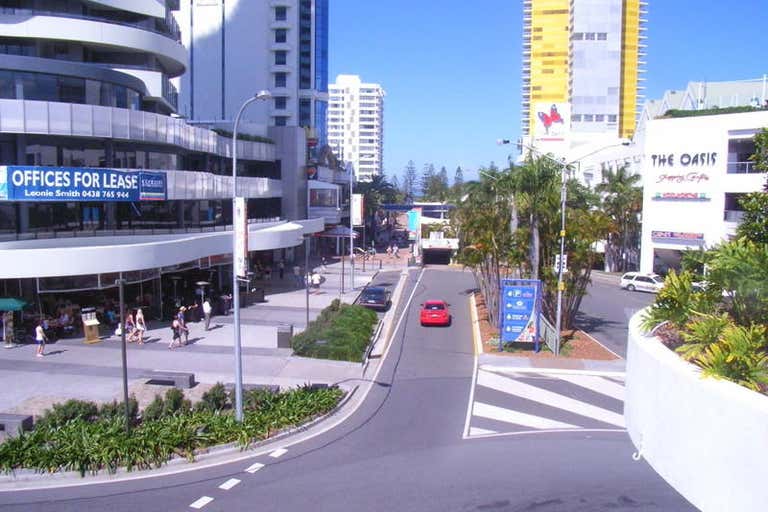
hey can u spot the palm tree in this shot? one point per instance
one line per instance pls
(376, 192)
(622, 200)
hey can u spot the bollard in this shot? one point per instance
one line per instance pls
(380, 262)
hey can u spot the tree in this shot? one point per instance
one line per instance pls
(396, 183)
(409, 182)
(376, 192)
(457, 190)
(427, 179)
(754, 225)
(622, 200)
(761, 151)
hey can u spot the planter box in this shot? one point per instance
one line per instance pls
(707, 437)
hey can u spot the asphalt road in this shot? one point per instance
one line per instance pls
(403, 449)
(606, 310)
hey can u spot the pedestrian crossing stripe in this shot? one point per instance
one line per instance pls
(542, 396)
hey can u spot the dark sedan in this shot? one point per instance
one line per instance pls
(374, 297)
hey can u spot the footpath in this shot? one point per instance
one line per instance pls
(72, 369)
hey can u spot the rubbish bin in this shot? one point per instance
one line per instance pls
(257, 295)
(284, 335)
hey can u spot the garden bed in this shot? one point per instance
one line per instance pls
(81, 436)
(576, 344)
(341, 332)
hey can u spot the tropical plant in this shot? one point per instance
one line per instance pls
(754, 224)
(215, 399)
(622, 200)
(71, 410)
(700, 333)
(739, 356)
(677, 303)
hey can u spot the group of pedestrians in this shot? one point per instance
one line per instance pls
(179, 326)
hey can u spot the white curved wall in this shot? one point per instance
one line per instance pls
(99, 255)
(105, 34)
(154, 8)
(708, 438)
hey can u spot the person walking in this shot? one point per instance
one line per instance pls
(297, 276)
(130, 327)
(323, 265)
(281, 268)
(207, 310)
(176, 328)
(141, 326)
(183, 329)
(40, 338)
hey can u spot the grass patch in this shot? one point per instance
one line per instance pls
(341, 332)
(77, 437)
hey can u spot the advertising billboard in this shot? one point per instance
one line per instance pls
(552, 122)
(40, 183)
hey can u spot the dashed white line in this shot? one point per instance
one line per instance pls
(278, 453)
(201, 502)
(229, 484)
(254, 467)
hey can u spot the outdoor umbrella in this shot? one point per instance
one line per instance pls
(12, 304)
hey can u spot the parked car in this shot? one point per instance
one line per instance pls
(642, 282)
(435, 312)
(375, 297)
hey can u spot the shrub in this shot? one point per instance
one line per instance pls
(739, 356)
(701, 333)
(154, 411)
(677, 302)
(341, 332)
(215, 399)
(116, 410)
(71, 410)
(175, 403)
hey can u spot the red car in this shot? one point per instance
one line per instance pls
(435, 312)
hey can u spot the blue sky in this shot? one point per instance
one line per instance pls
(451, 69)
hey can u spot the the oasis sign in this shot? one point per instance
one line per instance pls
(37, 183)
(684, 159)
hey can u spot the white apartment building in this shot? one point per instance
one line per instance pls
(239, 47)
(356, 124)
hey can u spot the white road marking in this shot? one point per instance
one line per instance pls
(546, 371)
(597, 384)
(278, 453)
(254, 467)
(229, 484)
(201, 502)
(510, 386)
(478, 348)
(492, 412)
(475, 431)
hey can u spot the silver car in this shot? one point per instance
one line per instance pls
(642, 282)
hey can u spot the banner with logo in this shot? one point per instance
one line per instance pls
(241, 237)
(40, 183)
(520, 307)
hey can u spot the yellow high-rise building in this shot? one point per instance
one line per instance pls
(586, 54)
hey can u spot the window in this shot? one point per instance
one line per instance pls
(602, 36)
(589, 36)
(577, 36)
(280, 79)
(281, 35)
(281, 57)
(576, 118)
(281, 121)
(281, 13)
(599, 118)
(588, 118)
(280, 102)
(612, 118)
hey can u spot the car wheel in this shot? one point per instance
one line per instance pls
(450, 319)
(631, 287)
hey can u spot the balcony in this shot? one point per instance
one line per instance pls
(742, 168)
(76, 120)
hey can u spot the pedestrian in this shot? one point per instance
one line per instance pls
(40, 338)
(207, 312)
(268, 273)
(297, 276)
(281, 268)
(176, 329)
(389, 251)
(396, 251)
(130, 327)
(141, 326)
(316, 280)
(183, 329)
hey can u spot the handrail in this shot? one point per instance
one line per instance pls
(548, 335)
(742, 167)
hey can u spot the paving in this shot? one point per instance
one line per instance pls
(72, 369)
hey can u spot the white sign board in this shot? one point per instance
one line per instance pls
(241, 237)
(357, 209)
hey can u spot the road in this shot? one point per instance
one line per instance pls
(411, 444)
(606, 310)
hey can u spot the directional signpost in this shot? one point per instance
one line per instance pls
(519, 311)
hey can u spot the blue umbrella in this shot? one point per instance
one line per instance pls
(12, 304)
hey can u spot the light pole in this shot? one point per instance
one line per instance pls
(261, 95)
(351, 229)
(563, 197)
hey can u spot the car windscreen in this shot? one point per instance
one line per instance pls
(374, 295)
(434, 307)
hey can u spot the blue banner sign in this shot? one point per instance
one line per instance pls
(519, 309)
(37, 183)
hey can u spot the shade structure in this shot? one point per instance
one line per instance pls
(338, 232)
(12, 304)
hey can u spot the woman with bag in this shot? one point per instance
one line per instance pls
(141, 326)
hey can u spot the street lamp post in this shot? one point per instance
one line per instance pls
(261, 95)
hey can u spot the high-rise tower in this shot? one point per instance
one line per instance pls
(585, 54)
